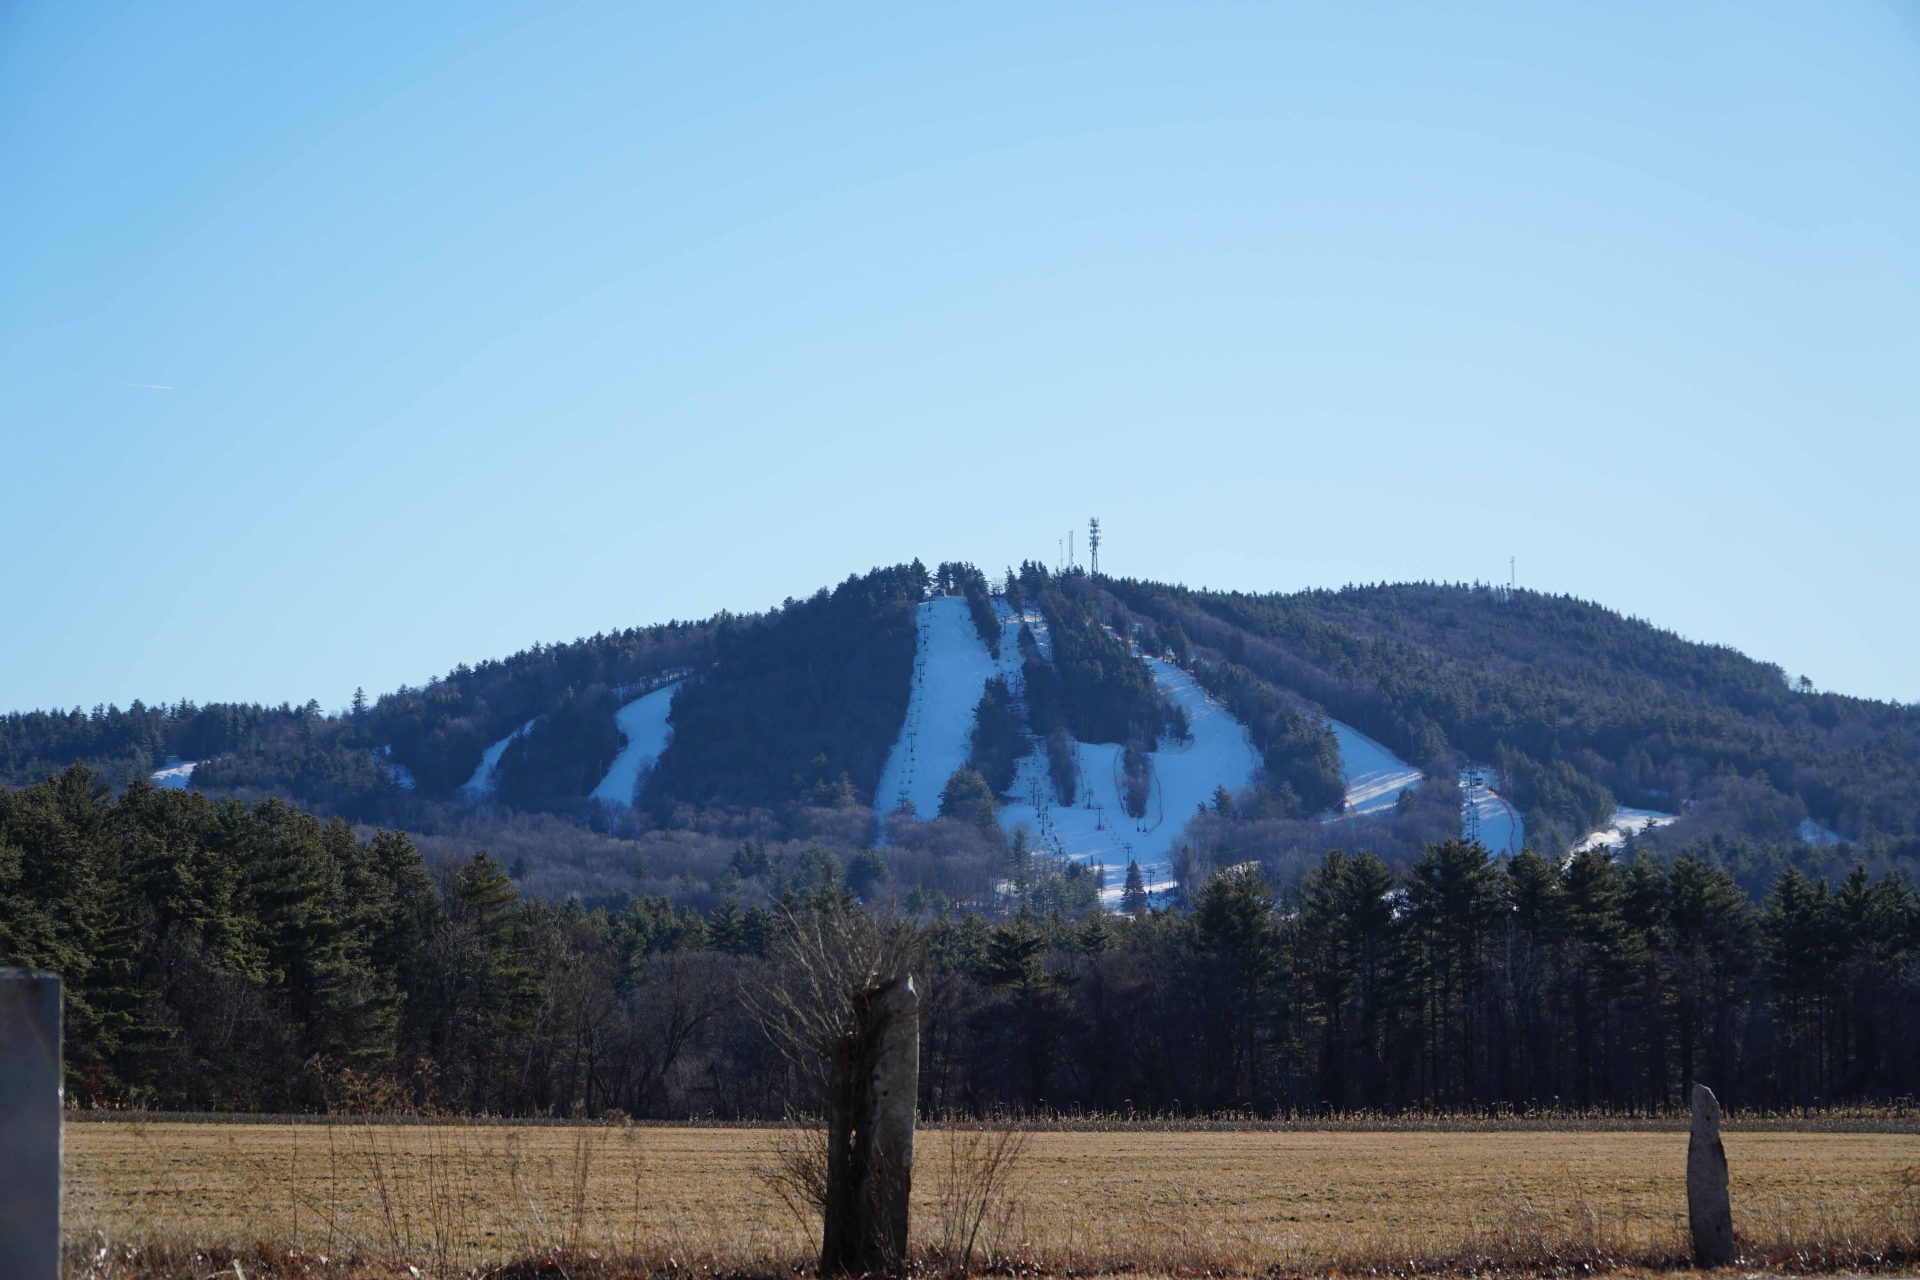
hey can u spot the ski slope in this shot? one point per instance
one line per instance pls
(1626, 822)
(1097, 828)
(1485, 814)
(1375, 776)
(951, 667)
(480, 785)
(174, 775)
(1811, 832)
(643, 722)
(401, 775)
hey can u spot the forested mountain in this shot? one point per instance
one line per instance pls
(1579, 708)
(779, 724)
(801, 705)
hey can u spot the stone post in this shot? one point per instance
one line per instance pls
(894, 1097)
(1709, 1211)
(30, 1100)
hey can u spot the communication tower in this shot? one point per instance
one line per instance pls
(1093, 546)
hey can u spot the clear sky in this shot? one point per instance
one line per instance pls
(342, 343)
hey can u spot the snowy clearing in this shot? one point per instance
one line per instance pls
(1811, 832)
(1486, 815)
(1375, 776)
(951, 667)
(1097, 828)
(175, 775)
(480, 785)
(401, 775)
(643, 722)
(1626, 822)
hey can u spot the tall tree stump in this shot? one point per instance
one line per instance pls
(894, 1102)
(870, 1126)
(1709, 1210)
(30, 1100)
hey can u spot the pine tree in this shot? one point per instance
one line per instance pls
(1133, 898)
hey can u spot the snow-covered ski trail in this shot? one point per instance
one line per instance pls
(643, 723)
(1811, 832)
(174, 775)
(480, 785)
(951, 667)
(1096, 828)
(401, 775)
(1486, 815)
(1626, 822)
(1375, 776)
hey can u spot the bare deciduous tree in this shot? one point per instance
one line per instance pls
(840, 1005)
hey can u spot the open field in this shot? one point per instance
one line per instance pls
(458, 1196)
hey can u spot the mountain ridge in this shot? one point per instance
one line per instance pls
(1573, 712)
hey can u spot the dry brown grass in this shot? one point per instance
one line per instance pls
(455, 1199)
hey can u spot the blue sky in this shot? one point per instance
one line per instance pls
(343, 343)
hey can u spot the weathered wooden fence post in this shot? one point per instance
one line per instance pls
(30, 1099)
(1709, 1210)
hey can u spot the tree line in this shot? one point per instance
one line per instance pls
(230, 956)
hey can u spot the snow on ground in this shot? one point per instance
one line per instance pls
(175, 775)
(480, 785)
(643, 722)
(951, 667)
(1096, 827)
(1812, 832)
(1486, 815)
(401, 775)
(1626, 822)
(1375, 776)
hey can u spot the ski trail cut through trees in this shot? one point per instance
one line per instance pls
(1626, 822)
(643, 722)
(480, 785)
(951, 667)
(1096, 828)
(1375, 776)
(1488, 816)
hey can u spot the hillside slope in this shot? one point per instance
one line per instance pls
(1579, 710)
(800, 730)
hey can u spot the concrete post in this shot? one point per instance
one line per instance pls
(30, 1101)
(1709, 1211)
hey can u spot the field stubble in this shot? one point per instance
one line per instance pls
(456, 1199)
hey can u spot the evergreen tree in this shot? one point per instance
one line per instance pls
(1133, 898)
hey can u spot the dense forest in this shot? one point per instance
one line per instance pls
(230, 956)
(1578, 708)
(800, 707)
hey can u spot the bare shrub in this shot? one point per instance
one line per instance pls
(970, 1192)
(796, 1170)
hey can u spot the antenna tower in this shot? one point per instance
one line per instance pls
(1093, 546)
(1069, 550)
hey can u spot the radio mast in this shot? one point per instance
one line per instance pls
(1093, 546)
